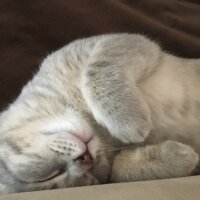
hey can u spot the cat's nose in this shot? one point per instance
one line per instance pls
(84, 137)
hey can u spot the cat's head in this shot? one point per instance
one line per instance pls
(55, 152)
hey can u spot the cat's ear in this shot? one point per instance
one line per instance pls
(5, 178)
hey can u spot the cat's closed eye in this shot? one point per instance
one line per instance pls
(51, 176)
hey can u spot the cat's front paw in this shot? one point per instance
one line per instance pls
(182, 158)
(129, 133)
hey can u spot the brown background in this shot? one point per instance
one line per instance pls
(30, 29)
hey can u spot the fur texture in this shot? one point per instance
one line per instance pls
(110, 108)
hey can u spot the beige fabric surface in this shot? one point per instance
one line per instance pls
(169, 189)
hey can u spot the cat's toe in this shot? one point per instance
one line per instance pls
(181, 156)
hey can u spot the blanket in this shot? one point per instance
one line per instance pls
(29, 30)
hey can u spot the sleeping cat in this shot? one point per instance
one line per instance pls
(110, 108)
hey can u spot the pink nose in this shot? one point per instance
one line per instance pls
(85, 137)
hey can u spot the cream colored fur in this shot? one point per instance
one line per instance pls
(132, 106)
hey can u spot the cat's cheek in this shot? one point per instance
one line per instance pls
(93, 146)
(77, 169)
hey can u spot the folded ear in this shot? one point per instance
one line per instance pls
(6, 180)
(8, 183)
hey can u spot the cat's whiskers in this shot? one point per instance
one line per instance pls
(110, 149)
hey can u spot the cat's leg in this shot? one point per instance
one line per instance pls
(169, 159)
(109, 84)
